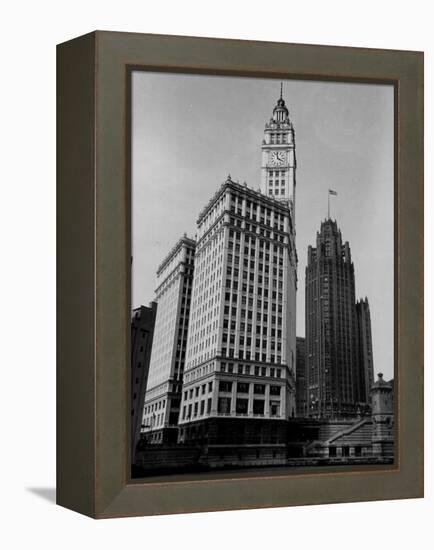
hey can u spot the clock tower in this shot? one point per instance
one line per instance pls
(278, 156)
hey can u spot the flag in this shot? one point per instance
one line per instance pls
(331, 192)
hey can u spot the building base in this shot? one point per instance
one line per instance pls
(164, 436)
(234, 431)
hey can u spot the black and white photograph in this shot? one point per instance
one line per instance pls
(262, 274)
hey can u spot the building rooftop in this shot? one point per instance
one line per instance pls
(243, 188)
(381, 383)
(183, 240)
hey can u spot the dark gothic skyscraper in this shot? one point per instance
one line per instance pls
(333, 380)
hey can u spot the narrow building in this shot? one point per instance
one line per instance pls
(300, 369)
(142, 331)
(366, 359)
(173, 295)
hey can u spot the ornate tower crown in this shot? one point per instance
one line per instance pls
(280, 111)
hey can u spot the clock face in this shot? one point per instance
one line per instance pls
(277, 158)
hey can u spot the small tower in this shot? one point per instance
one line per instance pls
(382, 418)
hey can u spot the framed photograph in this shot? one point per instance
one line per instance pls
(240, 274)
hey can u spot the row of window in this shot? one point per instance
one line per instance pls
(260, 280)
(249, 341)
(196, 409)
(225, 386)
(198, 390)
(255, 370)
(251, 261)
(262, 292)
(278, 138)
(235, 253)
(154, 407)
(248, 314)
(252, 264)
(242, 354)
(243, 326)
(224, 407)
(254, 211)
(257, 230)
(190, 376)
(275, 224)
(277, 191)
(242, 406)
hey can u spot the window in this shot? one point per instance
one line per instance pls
(224, 405)
(275, 390)
(243, 387)
(259, 389)
(241, 406)
(225, 386)
(274, 408)
(258, 406)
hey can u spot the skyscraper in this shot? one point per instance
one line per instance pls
(366, 360)
(173, 295)
(241, 345)
(332, 366)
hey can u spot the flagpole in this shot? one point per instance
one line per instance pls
(330, 192)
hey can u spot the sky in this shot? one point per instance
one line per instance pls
(190, 131)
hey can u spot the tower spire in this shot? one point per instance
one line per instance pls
(281, 90)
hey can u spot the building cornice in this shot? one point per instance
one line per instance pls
(183, 240)
(249, 192)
